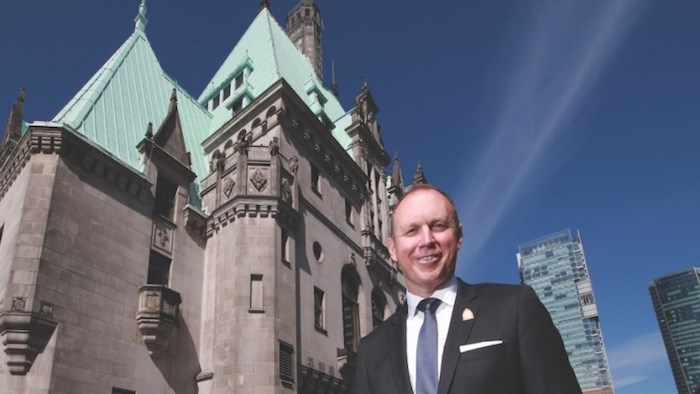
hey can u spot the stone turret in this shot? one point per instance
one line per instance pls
(304, 28)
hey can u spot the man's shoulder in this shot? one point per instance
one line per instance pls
(500, 290)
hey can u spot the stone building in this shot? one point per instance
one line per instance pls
(155, 242)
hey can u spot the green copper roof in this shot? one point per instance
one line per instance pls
(130, 90)
(268, 54)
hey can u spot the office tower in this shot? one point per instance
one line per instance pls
(676, 300)
(153, 241)
(555, 267)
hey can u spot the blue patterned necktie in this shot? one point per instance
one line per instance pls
(426, 353)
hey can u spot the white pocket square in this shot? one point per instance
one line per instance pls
(478, 345)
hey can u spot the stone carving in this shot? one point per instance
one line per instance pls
(228, 187)
(293, 164)
(363, 150)
(162, 236)
(244, 142)
(46, 309)
(218, 161)
(286, 190)
(322, 367)
(352, 259)
(274, 146)
(366, 112)
(331, 371)
(259, 180)
(18, 304)
(310, 362)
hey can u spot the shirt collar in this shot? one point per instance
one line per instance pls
(446, 295)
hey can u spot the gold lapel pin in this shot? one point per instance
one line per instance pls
(467, 314)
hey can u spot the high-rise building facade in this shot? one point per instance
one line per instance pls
(152, 241)
(676, 300)
(555, 267)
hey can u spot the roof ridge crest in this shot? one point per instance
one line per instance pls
(272, 41)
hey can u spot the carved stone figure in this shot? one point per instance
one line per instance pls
(286, 190)
(293, 164)
(274, 146)
(244, 141)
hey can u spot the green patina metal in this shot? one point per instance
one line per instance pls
(128, 91)
(267, 54)
(131, 89)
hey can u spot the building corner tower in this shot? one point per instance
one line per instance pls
(304, 28)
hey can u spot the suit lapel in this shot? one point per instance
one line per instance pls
(457, 335)
(396, 338)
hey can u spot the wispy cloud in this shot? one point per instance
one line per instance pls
(562, 52)
(636, 359)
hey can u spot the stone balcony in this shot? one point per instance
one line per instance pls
(158, 317)
(24, 335)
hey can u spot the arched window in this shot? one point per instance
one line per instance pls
(378, 305)
(350, 285)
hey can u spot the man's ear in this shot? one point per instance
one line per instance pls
(461, 236)
(392, 249)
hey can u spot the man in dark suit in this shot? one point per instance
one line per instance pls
(454, 337)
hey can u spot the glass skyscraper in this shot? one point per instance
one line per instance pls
(555, 267)
(676, 301)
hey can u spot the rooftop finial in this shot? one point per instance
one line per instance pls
(264, 4)
(334, 86)
(419, 178)
(149, 131)
(141, 21)
(173, 100)
(396, 176)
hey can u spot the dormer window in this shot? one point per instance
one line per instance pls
(237, 106)
(227, 91)
(164, 203)
(238, 81)
(215, 102)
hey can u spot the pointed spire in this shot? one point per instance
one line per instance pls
(264, 4)
(419, 178)
(13, 129)
(396, 177)
(334, 86)
(141, 21)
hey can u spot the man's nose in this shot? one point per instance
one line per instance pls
(426, 236)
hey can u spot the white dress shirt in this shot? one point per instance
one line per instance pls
(414, 321)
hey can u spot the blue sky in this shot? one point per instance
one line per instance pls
(536, 116)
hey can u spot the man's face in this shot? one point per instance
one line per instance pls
(425, 241)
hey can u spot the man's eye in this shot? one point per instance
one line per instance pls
(439, 226)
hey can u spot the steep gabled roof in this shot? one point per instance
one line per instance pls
(270, 55)
(131, 89)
